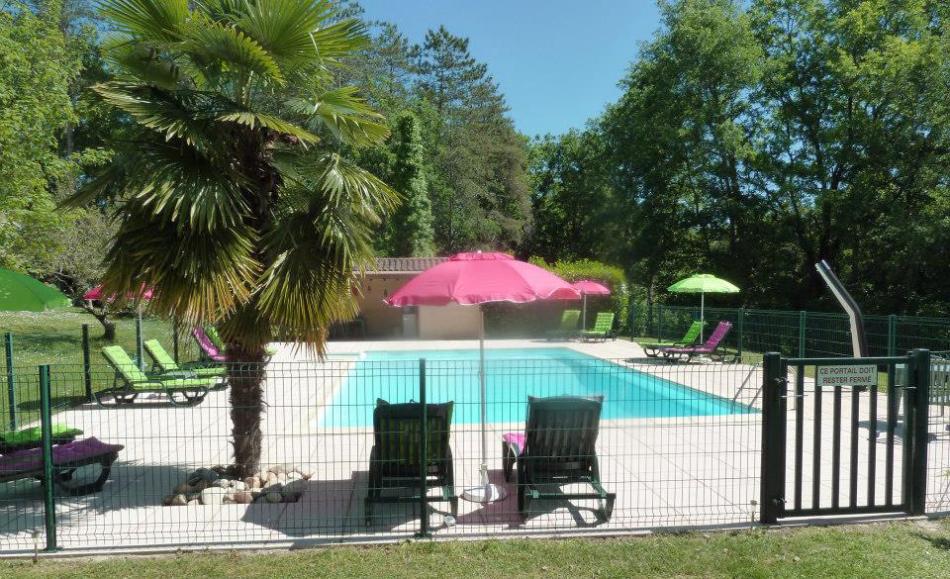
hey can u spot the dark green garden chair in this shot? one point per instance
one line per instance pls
(130, 381)
(163, 362)
(394, 461)
(603, 327)
(653, 349)
(568, 326)
(556, 449)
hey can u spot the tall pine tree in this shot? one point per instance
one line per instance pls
(411, 226)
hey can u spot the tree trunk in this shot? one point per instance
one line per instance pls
(246, 377)
(108, 329)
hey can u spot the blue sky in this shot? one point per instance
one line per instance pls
(557, 61)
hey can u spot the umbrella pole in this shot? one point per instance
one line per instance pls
(485, 492)
(584, 313)
(702, 315)
(483, 478)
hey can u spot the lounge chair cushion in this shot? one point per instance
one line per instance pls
(31, 460)
(515, 440)
(34, 435)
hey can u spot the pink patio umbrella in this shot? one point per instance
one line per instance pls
(95, 294)
(586, 288)
(472, 279)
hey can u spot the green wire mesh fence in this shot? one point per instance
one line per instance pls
(796, 333)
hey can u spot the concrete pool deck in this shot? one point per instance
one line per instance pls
(666, 472)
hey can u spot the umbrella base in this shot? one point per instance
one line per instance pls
(488, 493)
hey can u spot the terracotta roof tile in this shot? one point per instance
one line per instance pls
(405, 264)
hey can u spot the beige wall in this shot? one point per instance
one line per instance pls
(435, 323)
(382, 321)
(448, 322)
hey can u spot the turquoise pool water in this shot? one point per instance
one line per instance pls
(512, 376)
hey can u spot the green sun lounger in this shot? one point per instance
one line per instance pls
(653, 349)
(394, 461)
(557, 449)
(603, 327)
(163, 363)
(568, 326)
(130, 381)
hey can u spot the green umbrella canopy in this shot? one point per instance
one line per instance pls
(22, 293)
(703, 283)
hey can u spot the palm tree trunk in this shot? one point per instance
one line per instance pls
(246, 378)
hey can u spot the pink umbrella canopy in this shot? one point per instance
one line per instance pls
(95, 294)
(479, 278)
(591, 288)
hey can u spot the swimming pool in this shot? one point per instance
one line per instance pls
(511, 376)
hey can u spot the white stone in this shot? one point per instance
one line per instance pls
(213, 496)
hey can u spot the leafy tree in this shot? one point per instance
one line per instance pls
(237, 202)
(35, 73)
(411, 229)
(573, 203)
(855, 138)
(680, 147)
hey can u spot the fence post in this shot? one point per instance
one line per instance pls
(918, 425)
(11, 382)
(423, 453)
(86, 363)
(802, 322)
(741, 324)
(892, 335)
(772, 496)
(46, 427)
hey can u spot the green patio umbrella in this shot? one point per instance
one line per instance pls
(702, 284)
(22, 293)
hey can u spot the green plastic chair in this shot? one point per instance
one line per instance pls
(215, 337)
(130, 381)
(558, 448)
(603, 327)
(567, 327)
(652, 349)
(162, 362)
(394, 461)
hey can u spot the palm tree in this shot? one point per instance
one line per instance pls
(235, 197)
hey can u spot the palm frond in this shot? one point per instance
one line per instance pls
(253, 120)
(340, 39)
(348, 118)
(180, 114)
(155, 20)
(283, 27)
(206, 282)
(227, 49)
(146, 65)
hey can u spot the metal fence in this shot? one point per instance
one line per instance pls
(673, 446)
(797, 333)
(667, 446)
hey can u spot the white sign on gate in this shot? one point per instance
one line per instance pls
(861, 376)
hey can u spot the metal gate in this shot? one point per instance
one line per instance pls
(844, 436)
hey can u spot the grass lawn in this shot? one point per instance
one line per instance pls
(55, 338)
(906, 549)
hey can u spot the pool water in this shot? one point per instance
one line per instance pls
(511, 376)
